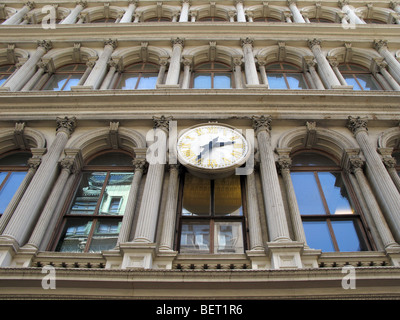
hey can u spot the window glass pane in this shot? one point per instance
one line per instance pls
(112, 159)
(367, 82)
(351, 82)
(57, 82)
(307, 193)
(118, 186)
(195, 237)
(347, 236)
(335, 193)
(75, 236)
(127, 81)
(296, 81)
(196, 196)
(202, 81)
(9, 188)
(228, 197)
(312, 159)
(147, 81)
(17, 159)
(105, 235)
(3, 175)
(88, 193)
(73, 81)
(222, 81)
(318, 236)
(228, 237)
(276, 81)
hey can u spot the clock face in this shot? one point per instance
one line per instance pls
(212, 147)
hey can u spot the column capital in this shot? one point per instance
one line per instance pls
(246, 41)
(379, 44)
(162, 123)
(45, 44)
(284, 163)
(66, 124)
(34, 163)
(355, 164)
(314, 42)
(111, 42)
(30, 4)
(394, 4)
(356, 124)
(343, 3)
(178, 42)
(81, 3)
(140, 165)
(261, 123)
(135, 2)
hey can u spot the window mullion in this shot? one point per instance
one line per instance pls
(5, 180)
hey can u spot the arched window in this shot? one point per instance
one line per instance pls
(103, 20)
(65, 77)
(138, 76)
(93, 219)
(285, 76)
(212, 75)
(331, 218)
(320, 20)
(158, 19)
(5, 72)
(359, 77)
(211, 19)
(212, 218)
(13, 169)
(373, 21)
(266, 19)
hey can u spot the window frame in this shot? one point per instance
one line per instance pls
(68, 73)
(211, 219)
(284, 72)
(139, 73)
(212, 71)
(96, 216)
(361, 226)
(354, 74)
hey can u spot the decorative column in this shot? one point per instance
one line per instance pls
(349, 10)
(168, 229)
(310, 64)
(161, 72)
(19, 15)
(73, 15)
(334, 65)
(297, 17)
(249, 62)
(27, 212)
(395, 6)
(390, 164)
(284, 163)
(327, 75)
(241, 17)
(148, 214)
(381, 71)
(184, 17)
(261, 66)
(187, 65)
(275, 212)
(394, 65)
(99, 70)
(386, 191)
(33, 164)
(127, 17)
(41, 69)
(175, 63)
(28, 69)
(356, 165)
(237, 71)
(127, 221)
(112, 69)
(67, 164)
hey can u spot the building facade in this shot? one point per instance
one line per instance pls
(200, 149)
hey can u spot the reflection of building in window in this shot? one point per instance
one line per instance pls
(212, 75)
(330, 218)
(5, 72)
(285, 76)
(138, 76)
(359, 77)
(13, 169)
(212, 219)
(65, 77)
(92, 223)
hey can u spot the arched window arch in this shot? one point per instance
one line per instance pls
(331, 216)
(158, 19)
(141, 75)
(266, 19)
(13, 169)
(65, 77)
(212, 75)
(320, 20)
(212, 19)
(373, 21)
(93, 217)
(359, 77)
(5, 72)
(104, 20)
(282, 75)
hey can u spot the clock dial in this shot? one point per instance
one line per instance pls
(212, 147)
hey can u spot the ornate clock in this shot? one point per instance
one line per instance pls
(212, 149)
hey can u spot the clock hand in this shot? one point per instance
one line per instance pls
(207, 147)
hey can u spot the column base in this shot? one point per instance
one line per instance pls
(341, 87)
(259, 259)
(165, 259)
(256, 86)
(5, 89)
(168, 86)
(393, 253)
(285, 255)
(82, 88)
(8, 249)
(137, 255)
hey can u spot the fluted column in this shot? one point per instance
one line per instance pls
(187, 65)
(393, 64)
(249, 62)
(297, 17)
(237, 72)
(18, 16)
(73, 15)
(27, 212)
(175, 63)
(127, 221)
(46, 216)
(113, 67)
(148, 213)
(184, 17)
(41, 69)
(383, 229)
(310, 63)
(241, 16)
(386, 191)
(127, 17)
(390, 164)
(325, 71)
(261, 66)
(277, 225)
(334, 65)
(28, 69)
(285, 163)
(168, 229)
(33, 164)
(381, 68)
(161, 72)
